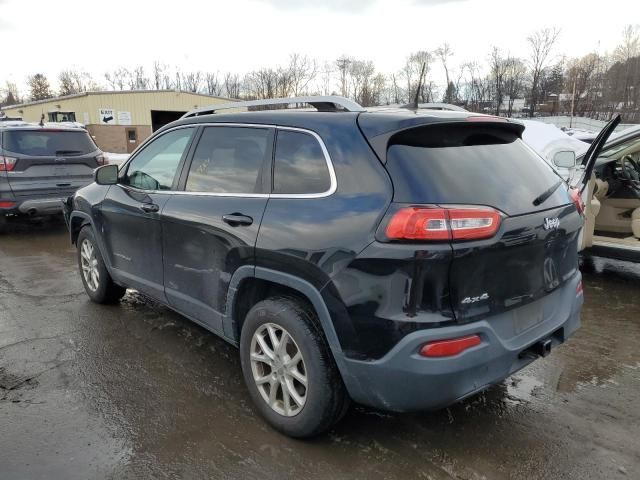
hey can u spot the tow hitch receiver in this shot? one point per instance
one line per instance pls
(540, 349)
(543, 348)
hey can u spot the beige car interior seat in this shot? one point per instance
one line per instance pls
(635, 223)
(591, 210)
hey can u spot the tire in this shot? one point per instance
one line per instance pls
(99, 287)
(325, 398)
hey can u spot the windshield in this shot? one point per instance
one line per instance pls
(48, 142)
(630, 147)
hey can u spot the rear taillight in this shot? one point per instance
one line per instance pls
(102, 160)
(579, 289)
(7, 204)
(448, 348)
(577, 200)
(7, 163)
(436, 223)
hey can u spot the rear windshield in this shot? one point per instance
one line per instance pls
(471, 165)
(48, 142)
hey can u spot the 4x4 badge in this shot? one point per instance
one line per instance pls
(484, 296)
(551, 223)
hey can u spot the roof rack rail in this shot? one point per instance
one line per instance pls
(329, 103)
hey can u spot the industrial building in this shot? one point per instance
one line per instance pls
(118, 121)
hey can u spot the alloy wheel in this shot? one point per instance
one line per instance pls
(278, 369)
(89, 264)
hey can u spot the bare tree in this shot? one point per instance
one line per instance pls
(415, 71)
(213, 84)
(443, 53)
(117, 79)
(540, 43)
(192, 81)
(158, 75)
(514, 81)
(581, 72)
(232, 85)
(137, 79)
(73, 81)
(301, 72)
(498, 69)
(344, 63)
(628, 48)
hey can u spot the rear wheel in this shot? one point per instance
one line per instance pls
(95, 277)
(289, 369)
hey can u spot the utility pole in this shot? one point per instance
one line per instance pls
(573, 99)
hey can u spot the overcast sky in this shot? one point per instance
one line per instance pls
(240, 35)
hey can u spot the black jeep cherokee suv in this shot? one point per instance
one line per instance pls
(402, 260)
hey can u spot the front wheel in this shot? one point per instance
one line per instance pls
(95, 277)
(289, 369)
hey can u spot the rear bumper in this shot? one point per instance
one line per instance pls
(404, 381)
(48, 206)
(35, 207)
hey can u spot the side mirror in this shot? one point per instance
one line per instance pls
(565, 159)
(106, 175)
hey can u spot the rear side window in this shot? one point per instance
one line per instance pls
(471, 165)
(229, 160)
(48, 142)
(300, 165)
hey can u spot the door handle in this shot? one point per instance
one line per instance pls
(150, 207)
(237, 219)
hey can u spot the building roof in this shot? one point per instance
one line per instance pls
(109, 92)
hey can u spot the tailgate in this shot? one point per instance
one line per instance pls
(50, 176)
(49, 162)
(531, 256)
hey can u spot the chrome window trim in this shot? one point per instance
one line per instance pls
(333, 186)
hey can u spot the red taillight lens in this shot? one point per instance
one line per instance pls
(434, 223)
(7, 204)
(577, 200)
(7, 163)
(579, 289)
(448, 348)
(102, 160)
(417, 223)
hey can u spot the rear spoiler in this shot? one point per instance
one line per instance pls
(380, 142)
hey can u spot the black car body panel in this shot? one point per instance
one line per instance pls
(376, 299)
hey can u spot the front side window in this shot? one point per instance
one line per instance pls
(155, 167)
(230, 160)
(300, 166)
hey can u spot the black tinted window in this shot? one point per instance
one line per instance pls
(48, 142)
(229, 160)
(470, 165)
(155, 167)
(300, 165)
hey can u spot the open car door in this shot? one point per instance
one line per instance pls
(584, 182)
(589, 159)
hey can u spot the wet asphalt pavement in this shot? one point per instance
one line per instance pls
(137, 391)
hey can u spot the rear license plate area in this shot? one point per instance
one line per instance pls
(527, 317)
